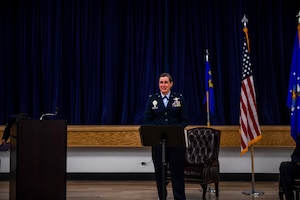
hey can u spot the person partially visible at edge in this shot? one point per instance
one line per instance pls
(173, 113)
(6, 132)
(11, 121)
(289, 171)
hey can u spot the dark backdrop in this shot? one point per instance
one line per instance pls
(98, 60)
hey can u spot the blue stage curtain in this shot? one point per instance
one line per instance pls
(98, 60)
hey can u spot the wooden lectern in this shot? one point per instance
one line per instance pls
(38, 160)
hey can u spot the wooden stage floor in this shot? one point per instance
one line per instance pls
(146, 190)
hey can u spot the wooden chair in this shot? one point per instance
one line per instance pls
(202, 158)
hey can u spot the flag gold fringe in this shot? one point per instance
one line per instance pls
(250, 144)
(298, 27)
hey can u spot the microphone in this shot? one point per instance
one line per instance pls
(49, 114)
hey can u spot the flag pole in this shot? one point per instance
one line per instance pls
(252, 192)
(252, 169)
(207, 96)
(209, 189)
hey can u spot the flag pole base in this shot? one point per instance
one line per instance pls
(211, 190)
(253, 193)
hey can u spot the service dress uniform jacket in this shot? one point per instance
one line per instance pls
(174, 114)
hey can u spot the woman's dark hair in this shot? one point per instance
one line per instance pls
(166, 75)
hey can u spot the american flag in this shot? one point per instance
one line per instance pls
(293, 100)
(249, 125)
